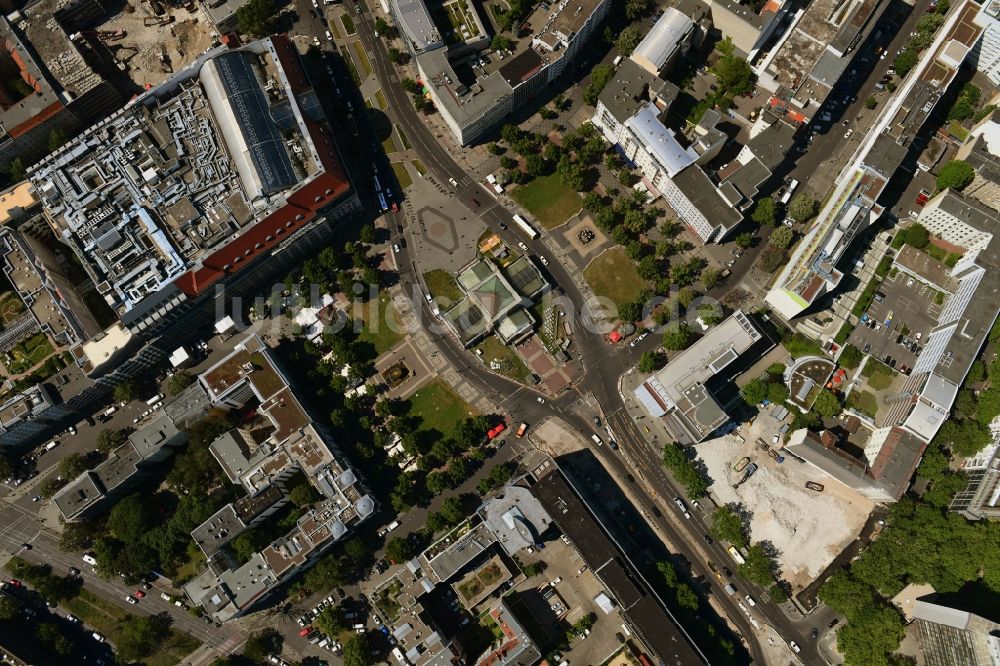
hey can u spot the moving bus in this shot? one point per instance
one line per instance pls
(736, 555)
(523, 225)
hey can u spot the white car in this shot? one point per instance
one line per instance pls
(132, 600)
(73, 618)
(454, 183)
(395, 248)
(750, 600)
(329, 37)
(315, 41)
(794, 647)
(545, 262)
(848, 133)
(522, 246)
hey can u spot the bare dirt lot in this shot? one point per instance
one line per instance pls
(808, 529)
(153, 52)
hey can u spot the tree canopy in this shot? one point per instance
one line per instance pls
(956, 175)
(802, 207)
(764, 212)
(684, 469)
(754, 392)
(628, 39)
(827, 404)
(728, 526)
(780, 238)
(256, 17)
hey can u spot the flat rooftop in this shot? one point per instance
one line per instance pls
(189, 181)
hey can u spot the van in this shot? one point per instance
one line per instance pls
(391, 526)
(879, 297)
(51, 445)
(165, 597)
(597, 439)
(730, 589)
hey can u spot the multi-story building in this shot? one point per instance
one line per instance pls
(980, 499)
(881, 473)
(97, 490)
(57, 75)
(683, 392)
(28, 413)
(948, 636)
(749, 30)
(982, 151)
(807, 63)
(853, 205)
(279, 441)
(474, 92)
(677, 166)
(969, 311)
(986, 55)
(228, 165)
(666, 41)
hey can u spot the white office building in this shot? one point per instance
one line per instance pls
(986, 54)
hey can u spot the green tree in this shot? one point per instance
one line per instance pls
(599, 77)
(141, 636)
(400, 550)
(710, 277)
(9, 609)
(956, 175)
(500, 42)
(331, 621)
(754, 392)
(256, 17)
(827, 404)
(627, 40)
(734, 74)
(758, 567)
(727, 525)
(57, 138)
(72, 466)
(127, 391)
(780, 238)
(871, 103)
(51, 636)
(771, 259)
(179, 381)
(905, 61)
(649, 362)
(850, 358)
(687, 473)
(303, 494)
(262, 643)
(535, 165)
(357, 652)
(130, 519)
(764, 212)
(871, 635)
(844, 594)
(802, 207)
(17, 170)
(635, 8)
(367, 234)
(744, 240)
(677, 336)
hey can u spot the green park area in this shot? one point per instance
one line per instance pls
(439, 408)
(402, 175)
(878, 374)
(549, 200)
(29, 353)
(501, 359)
(612, 275)
(381, 326)
(443, 287)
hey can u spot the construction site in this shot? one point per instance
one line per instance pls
(151, 40)
(807, 527)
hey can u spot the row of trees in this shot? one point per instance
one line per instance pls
(685, 469)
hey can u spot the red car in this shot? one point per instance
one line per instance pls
(140, 594)
(15, 582)
(305, 631)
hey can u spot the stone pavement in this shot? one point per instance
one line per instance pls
(420, 341)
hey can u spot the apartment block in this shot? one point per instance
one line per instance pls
(276, 440)
(986, 55)
(58, 74)
(683, 392)
(475, 90)
(228, 165)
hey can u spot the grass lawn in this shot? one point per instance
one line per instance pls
(439, 408)
(402, 175)
(380, 98)
(106, 618)
(510, 364)
(442, 286)
(194, 565)
(402, 138)
(863, 401)
(335, 30)
(366, 64)
(348, 24)
(11, 308)
(879, 375)
(612, 275)
(350, 65)
(418, 165)
(382, 327)
(549, 200)
(388, 145)
(30, 352)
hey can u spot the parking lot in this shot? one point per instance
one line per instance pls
(906, 314)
